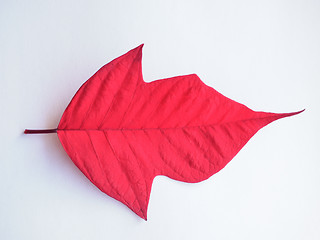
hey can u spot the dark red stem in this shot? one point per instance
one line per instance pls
(29, 131)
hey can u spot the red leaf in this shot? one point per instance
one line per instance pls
(121, 132)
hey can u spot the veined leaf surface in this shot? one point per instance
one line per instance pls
(121, 132)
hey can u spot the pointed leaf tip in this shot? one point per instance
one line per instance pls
(283, 115)
(298, 112)
(136, 53)
(301, 111)
(138, 49)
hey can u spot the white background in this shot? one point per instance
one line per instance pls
(265, 54)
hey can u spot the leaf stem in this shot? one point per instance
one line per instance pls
(29, 131)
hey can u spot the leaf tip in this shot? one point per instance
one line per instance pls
(143, 214)
(284, 115)
(136, 53)
(295, 113)
(139, 48)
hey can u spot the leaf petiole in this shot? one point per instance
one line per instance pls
(42, 131)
